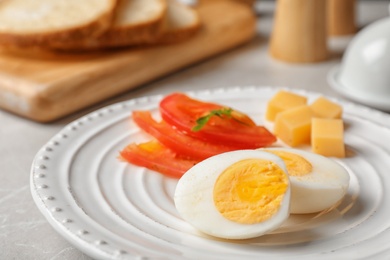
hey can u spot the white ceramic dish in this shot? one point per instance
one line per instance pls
(363, 75)
(381, 102)
(113, 210)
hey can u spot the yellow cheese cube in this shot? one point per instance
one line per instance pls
(324, 108)
(282, 101)
(293, 126)
(327, 137)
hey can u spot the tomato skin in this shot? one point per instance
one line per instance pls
(182, 112)
(183, 145)
(156, 157)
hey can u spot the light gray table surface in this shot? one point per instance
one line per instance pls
(25, 233)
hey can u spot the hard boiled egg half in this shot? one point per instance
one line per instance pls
(248, 193)
(235, 195)
(317, 182)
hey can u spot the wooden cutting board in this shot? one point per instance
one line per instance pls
(48, 86)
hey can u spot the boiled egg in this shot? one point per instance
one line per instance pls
(235, 195)
(317, 182)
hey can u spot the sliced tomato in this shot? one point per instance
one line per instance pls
(156, 157)
(182, 144)
(181, 111)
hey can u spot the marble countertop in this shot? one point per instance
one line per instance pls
(25, 233)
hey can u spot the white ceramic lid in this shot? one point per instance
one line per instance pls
(364, 73)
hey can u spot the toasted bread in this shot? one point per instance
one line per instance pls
(135, 22)
(27, 23)
(181, 23)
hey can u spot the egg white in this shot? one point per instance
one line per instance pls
(194, 197)
(319, 190)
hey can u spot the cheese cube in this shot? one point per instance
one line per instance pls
(327, 137)
(282, 101)
(293, 126)
(324, 108)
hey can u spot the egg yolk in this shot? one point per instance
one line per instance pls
(250, 191)
(296, 165)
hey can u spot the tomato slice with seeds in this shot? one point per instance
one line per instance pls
(182, 112)
(156, 157)
(182, 144)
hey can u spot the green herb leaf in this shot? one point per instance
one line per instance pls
(202, 121)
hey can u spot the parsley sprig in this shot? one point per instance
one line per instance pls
(202, 121)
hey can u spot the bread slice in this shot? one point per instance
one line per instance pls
(141, 22)
(181, 23)
(27, 23)
(135, 22)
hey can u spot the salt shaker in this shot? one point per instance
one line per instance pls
(341, 17)
(300, 31)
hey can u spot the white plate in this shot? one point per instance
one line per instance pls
(110, 209)
(381, 102)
